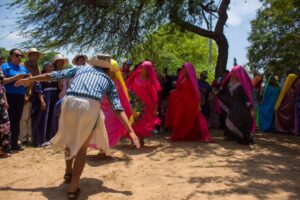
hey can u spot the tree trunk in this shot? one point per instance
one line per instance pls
(223, 46)
(217, 34)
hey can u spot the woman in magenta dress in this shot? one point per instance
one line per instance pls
(143, 87)
(184, 115)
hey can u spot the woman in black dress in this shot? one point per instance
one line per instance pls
(236, 101)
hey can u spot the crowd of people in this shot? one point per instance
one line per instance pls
(95, 103)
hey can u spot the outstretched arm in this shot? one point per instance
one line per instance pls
(55, 75)
(8, 80)
(123, 118)
(28, 81)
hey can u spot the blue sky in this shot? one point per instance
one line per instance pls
(238, 27)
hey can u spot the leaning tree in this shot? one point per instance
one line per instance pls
(118, 25)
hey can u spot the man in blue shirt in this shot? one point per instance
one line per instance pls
(81, 118)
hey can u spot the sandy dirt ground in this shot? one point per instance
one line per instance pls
(164, 171)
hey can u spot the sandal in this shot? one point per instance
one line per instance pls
(68, 177)
(73, 195)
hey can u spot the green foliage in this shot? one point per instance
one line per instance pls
(4, 53)
(275, 37)
(47, 56)
(169, 47)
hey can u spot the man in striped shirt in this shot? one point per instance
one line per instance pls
(81, 115)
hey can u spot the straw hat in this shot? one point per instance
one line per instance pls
(97, 61)
(60, 57)
(33, 50)
(74, 61)
(103, 56)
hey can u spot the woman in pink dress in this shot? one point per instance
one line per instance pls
(184, 115)
(143, 87)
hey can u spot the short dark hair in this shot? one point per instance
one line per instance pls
(11, 53)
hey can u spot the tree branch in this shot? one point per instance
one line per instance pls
(186, 25)
(222, 12)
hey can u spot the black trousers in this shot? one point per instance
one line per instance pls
(15, 109)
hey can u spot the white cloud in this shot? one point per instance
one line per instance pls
(240, 9)
(233, 19)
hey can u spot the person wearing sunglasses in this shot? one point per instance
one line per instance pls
(13, 71)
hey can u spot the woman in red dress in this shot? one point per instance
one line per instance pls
(143, 87)
(184, 115)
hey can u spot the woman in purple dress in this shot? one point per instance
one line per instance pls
(44, 118)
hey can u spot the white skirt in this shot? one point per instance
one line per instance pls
(79, 118)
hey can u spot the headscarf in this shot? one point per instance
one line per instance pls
(118, 76)
(190, 69)
(246, 83)
(148, 66)
(286, 87)
(268, 83)
(244, 79)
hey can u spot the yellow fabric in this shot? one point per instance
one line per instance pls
(119, 77)
(286, 87)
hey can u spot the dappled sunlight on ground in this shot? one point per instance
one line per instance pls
(270, 169)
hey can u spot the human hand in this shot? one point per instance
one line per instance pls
(136, 115)
(25, 81)
(43, 105)
(135, 139)
(252, 113)
(26, 98)
(19, 76)
(199, 107)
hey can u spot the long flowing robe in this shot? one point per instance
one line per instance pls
(236, 100)
(285, 106)
(266, 107)
(297, 118)
(144, 99)
(183, 115)
(45, 124)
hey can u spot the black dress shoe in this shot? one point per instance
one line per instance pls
(17, 148)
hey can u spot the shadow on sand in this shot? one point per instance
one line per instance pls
(89, 187)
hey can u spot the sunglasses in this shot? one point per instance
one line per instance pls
(19, 55)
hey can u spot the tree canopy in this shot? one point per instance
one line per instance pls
(275, 37)
(118, 25)
(169, 48)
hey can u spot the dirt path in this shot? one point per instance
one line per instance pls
(164, 171)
